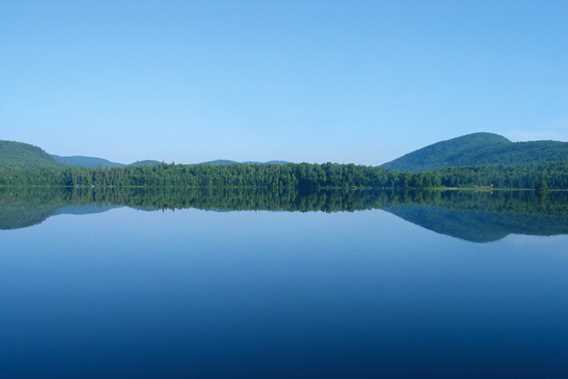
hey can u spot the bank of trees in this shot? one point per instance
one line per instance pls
(292, 176)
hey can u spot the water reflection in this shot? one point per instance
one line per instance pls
(472, 216)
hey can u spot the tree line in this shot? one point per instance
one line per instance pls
(302, 176)
(42, 201)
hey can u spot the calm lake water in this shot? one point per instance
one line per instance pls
(229, 284)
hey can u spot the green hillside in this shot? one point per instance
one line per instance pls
(22, 155)
(480, 149)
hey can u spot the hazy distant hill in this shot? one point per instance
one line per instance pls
(16, 154)
(92, 162)
(219, 162)
(147, 163)
(225, 162)
(269, 162)
(86, 162)
(480, 149)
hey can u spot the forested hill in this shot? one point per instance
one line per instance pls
(22, 155)
(480, 149)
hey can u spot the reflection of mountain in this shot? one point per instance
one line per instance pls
(20, 208)
(15, 216)
(21, 215)
(479, 225)
(477, 217)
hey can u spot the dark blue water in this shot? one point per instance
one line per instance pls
(109, 291)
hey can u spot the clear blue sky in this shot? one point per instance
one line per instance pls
(316, 80)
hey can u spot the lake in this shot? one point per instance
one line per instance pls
(254, 284)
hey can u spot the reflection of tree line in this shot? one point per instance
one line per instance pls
(522, 202)
(251, 199)
(473, 216)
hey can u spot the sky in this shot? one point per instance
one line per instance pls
(315, 81)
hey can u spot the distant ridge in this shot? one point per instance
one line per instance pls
(86, 162)
(219, 162)
(93, 162)
(23, 155)
(225, 162)
(479, 149)
(146, 163)
(269, 162)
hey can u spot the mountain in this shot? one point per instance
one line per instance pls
(479, 149)
(85, 162)
(22, 155)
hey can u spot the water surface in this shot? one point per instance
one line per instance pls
(249, 284)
